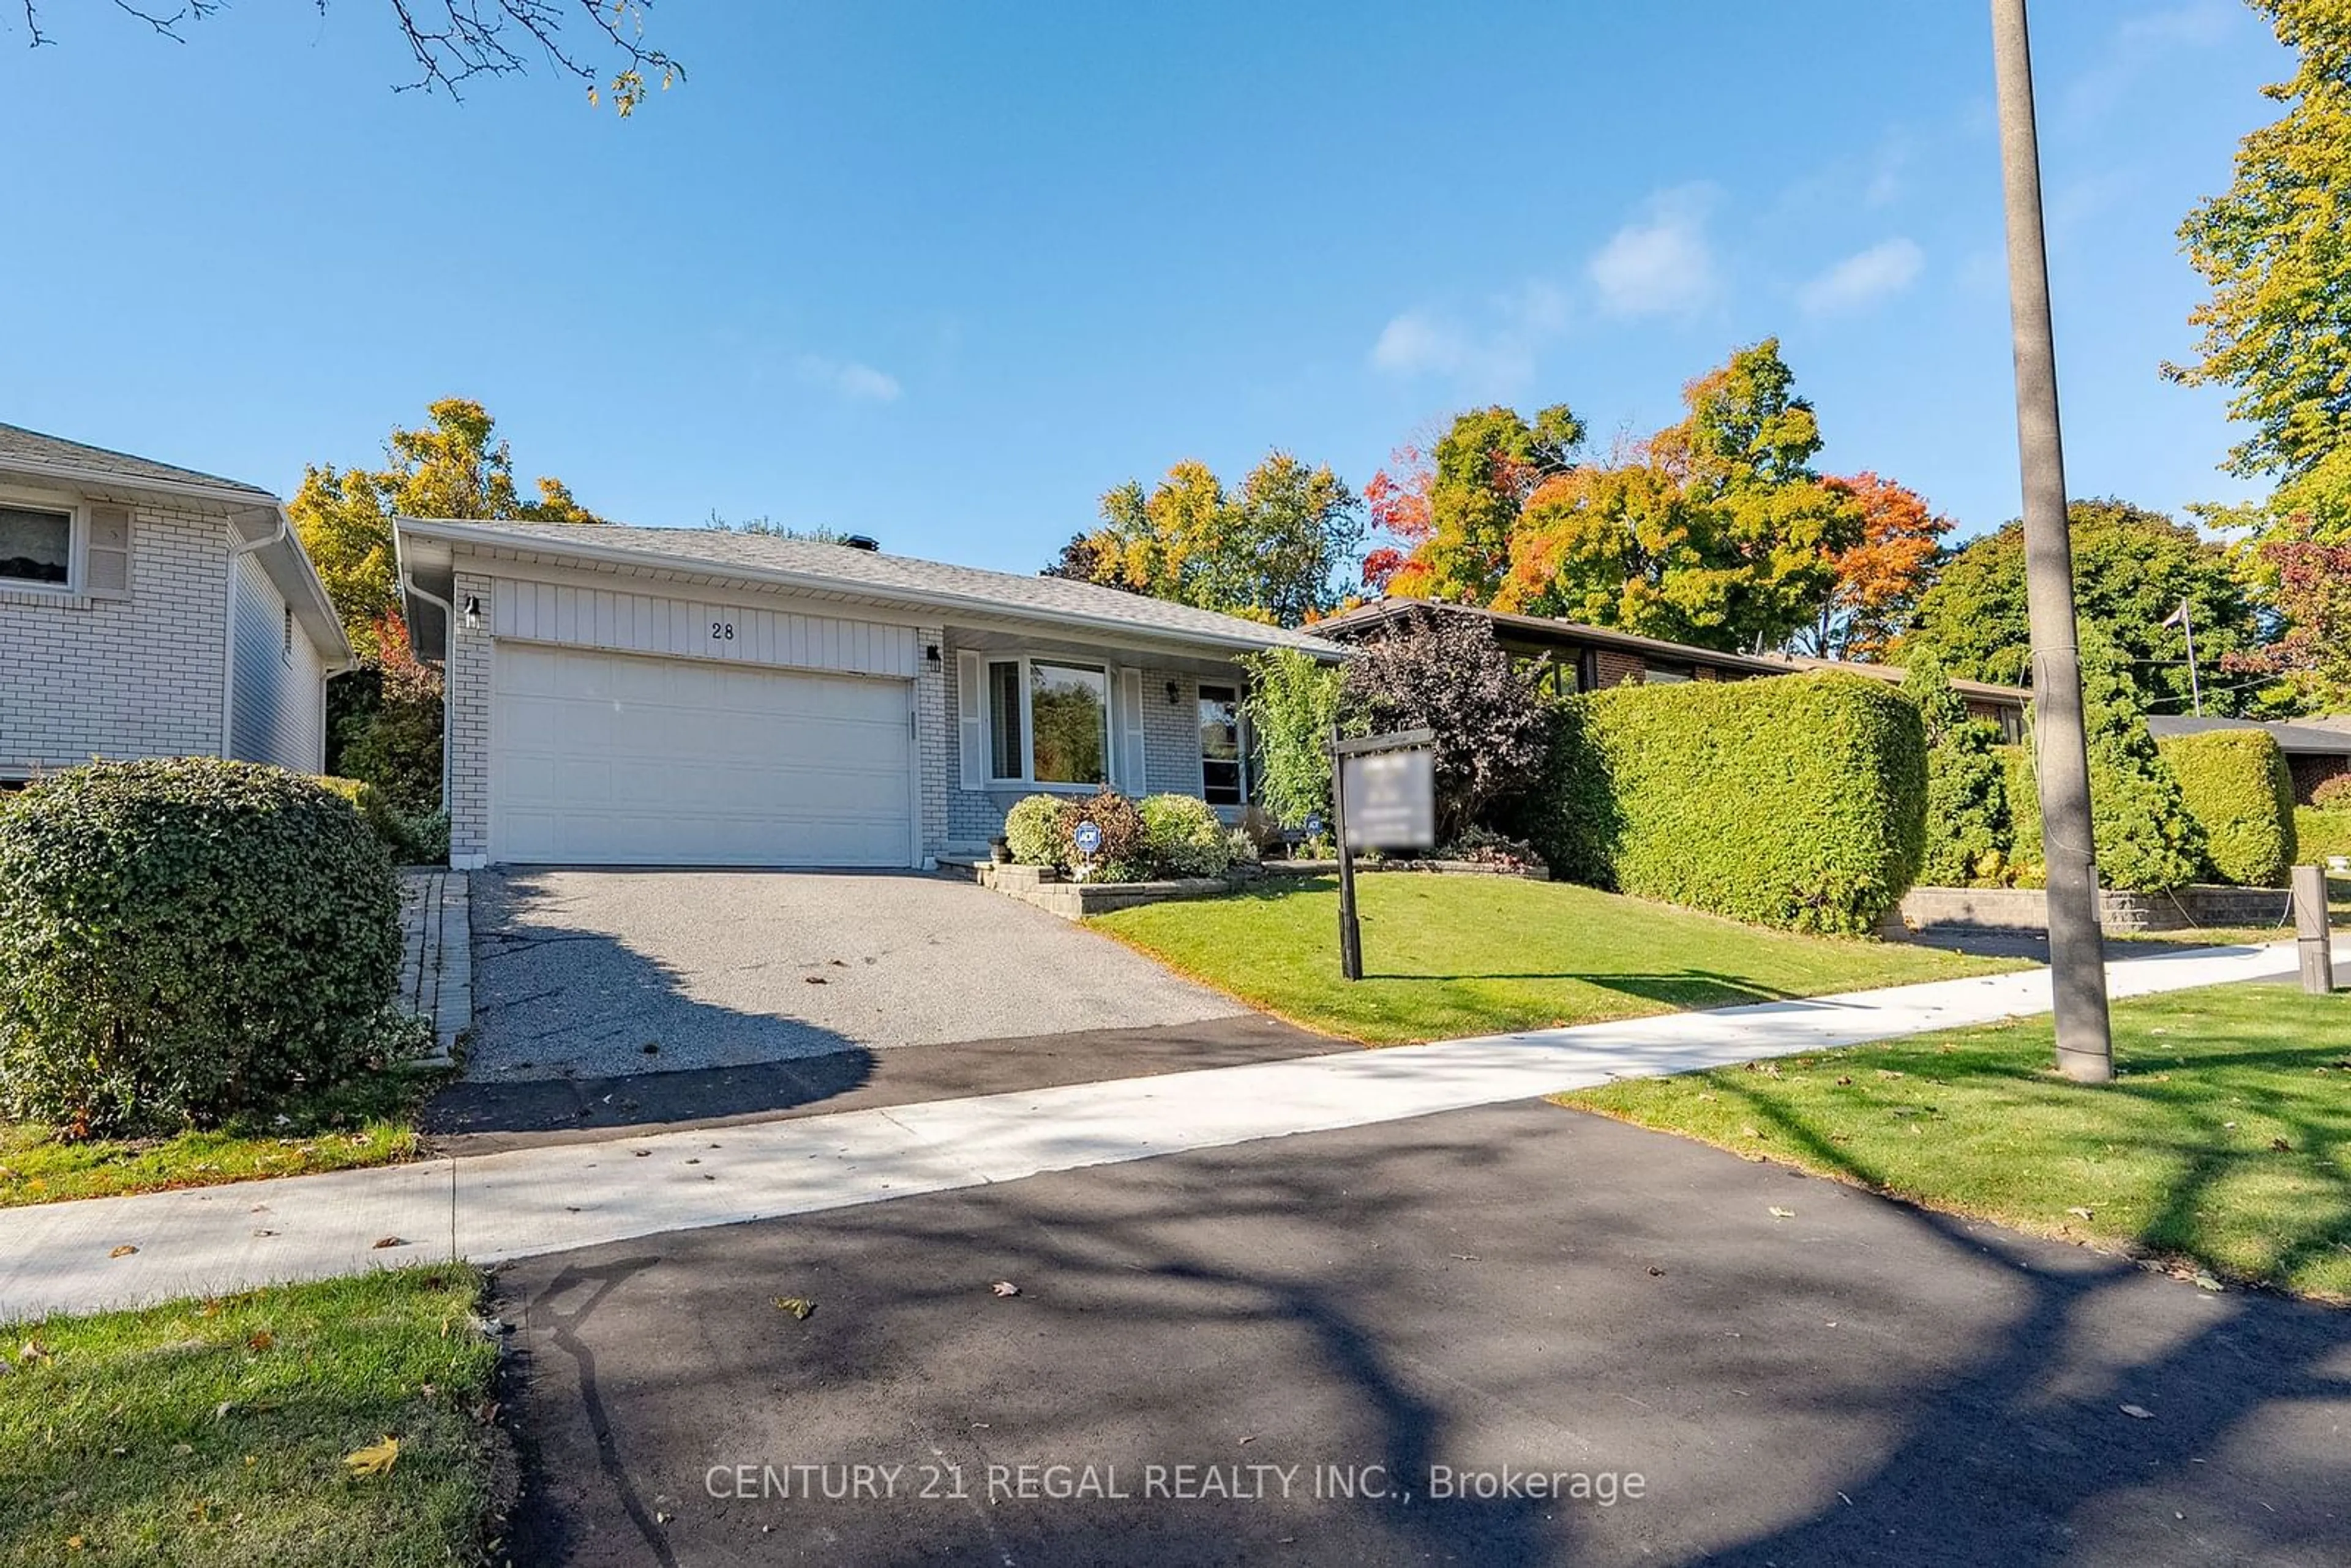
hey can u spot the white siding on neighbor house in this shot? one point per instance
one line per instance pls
(624, 623)
(276, 706)
(139, 676)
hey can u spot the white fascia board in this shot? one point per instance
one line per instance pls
(483, 539)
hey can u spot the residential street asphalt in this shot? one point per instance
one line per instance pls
(1515, 1287)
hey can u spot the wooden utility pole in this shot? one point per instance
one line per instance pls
(2076, 946)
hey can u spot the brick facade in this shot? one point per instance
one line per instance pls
(467, 677)
(1616, 668)
(140, 676)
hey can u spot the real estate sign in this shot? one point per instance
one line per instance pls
(1391, 799)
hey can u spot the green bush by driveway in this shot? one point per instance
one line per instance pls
(2318, 834)
(1798, 801)
(186, 939)
(2235, 784)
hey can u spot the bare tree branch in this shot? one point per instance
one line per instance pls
(454, 41)
(168, 26)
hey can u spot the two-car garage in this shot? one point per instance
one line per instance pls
(604, 758)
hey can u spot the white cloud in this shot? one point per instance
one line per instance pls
(1498, 357)
(849, 379)
(1660, 264)
(1863, 280)
(2138, 44)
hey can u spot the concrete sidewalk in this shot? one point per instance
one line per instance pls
(58, 1256)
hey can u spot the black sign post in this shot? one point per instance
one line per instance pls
(1383, 792)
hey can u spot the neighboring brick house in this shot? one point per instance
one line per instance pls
(152, 610)
(1582, 658)
(690, 697)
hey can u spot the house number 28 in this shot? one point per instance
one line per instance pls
(724, 631)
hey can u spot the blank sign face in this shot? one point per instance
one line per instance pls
(1391, 800)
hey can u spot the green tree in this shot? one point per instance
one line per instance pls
(1273, 549)
(1292, 703)
(2146, 841)
(2132, 569)
(1455, 506)
(1717, 531)
(2275, 249)
(451, 467)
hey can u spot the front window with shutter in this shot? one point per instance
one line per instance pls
(36, 546)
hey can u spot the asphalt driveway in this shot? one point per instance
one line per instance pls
(595, 974)
(1209, 1352)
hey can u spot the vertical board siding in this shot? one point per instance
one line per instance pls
(274, 715)
(624, 622)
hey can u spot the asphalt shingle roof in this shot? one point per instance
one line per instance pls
(51, 452)
(859, 570)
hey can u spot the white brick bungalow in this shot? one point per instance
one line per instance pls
(679, 696)
(151, 611)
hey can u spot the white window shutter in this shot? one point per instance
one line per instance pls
(107, 572)
(971, 728)
(1130, 751)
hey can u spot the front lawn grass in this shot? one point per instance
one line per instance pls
(369, 1121)
(215, 1432)
(2224, 1140)
(1451, 956)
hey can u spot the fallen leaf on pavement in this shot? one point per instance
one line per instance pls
(2138, 1413)
(125, 1250)
(801, 1307)
(1779, 1213)
(382, 1241)
(1005, 1288)
(816, 979)
(375, 1459)
(2207, 1283)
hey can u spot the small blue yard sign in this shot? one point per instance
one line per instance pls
(1314, 824)
(1087, 836)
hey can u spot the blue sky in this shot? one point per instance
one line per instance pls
(943, 273)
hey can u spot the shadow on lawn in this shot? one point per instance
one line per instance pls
(1677, 987)
(2189, 1121)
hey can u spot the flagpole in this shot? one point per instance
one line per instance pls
(2194, 687)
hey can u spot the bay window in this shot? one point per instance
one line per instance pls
(1048, 722)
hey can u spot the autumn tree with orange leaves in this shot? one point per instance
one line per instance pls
(1878, 579)
(1451, 508)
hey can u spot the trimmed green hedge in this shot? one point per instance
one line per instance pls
(181, 940)
(2320, 833)
(1797, 802)
(2236, 785)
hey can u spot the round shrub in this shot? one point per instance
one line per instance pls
(1125, 851)
(1032, 831)
(2332, 794)
(1184, 836)
(186, 939)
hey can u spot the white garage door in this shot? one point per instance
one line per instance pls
(615, 759)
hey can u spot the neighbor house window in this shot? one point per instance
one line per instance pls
(1048, 722)
(36, 545)
(1220, 745)
(1665, 675)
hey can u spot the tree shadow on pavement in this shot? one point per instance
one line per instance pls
(1520, 1286)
